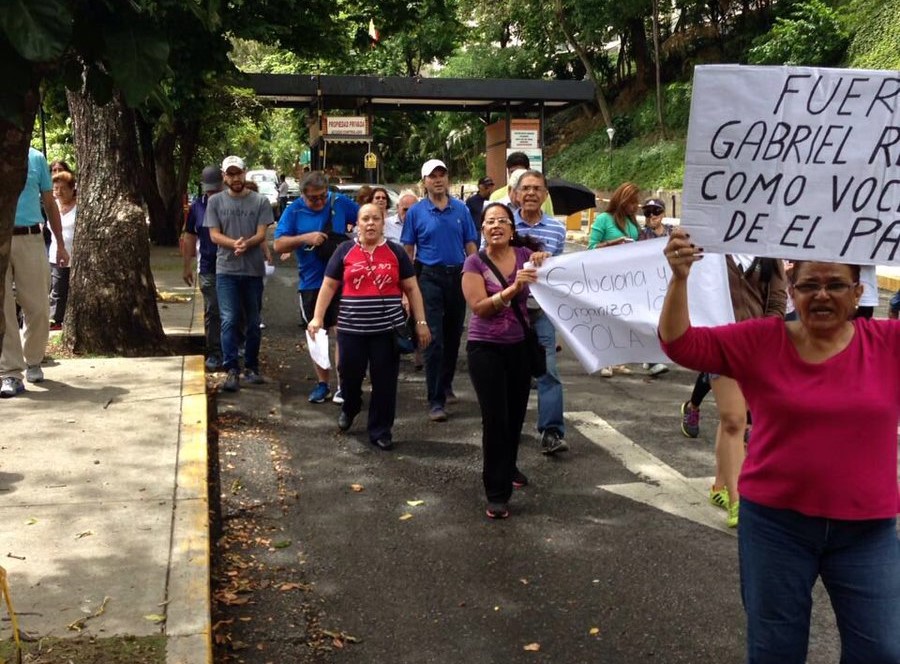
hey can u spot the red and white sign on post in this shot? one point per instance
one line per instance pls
(348, 125)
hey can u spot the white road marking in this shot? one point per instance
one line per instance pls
(661, 486)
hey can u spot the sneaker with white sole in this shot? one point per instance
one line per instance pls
(658, 368)
(11, 387)
(320, 393)
(606, 372)
(338, 397)
(34, 374)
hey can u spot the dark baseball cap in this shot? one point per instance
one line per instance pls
(484, 182)
(211, 179)
(654, 203)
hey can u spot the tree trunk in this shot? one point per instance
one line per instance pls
(640, 52)
(585, 60)
(14, 142)
(112, 306)
(659, 93)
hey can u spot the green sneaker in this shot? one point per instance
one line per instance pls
(718, 497)
(732, 520)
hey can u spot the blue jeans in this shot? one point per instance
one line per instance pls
(782, 552)
(445, 311)
(549, 386)
(239, 295)
(212, 321)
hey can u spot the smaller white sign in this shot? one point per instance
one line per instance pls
(523, 139)
(606, 303)
(351, 125)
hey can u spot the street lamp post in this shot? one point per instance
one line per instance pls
(610, 132)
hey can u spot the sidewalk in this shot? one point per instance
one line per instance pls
(103, 493)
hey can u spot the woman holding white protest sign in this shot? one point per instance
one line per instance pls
(617, 226)
(495, 284)
(819, 493)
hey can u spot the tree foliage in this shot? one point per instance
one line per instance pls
(876, 39)
(811, 35)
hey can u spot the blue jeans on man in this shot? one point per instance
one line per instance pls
(445, 311)
(549, 386)
(239, 295)
(783, 552)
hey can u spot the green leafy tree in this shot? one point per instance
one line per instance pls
(811, 35)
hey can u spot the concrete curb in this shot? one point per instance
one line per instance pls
(188, 631)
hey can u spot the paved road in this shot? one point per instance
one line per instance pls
(616, 536)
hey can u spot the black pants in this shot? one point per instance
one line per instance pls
(59, 292)
(502, 382)
(445, 311)
(377, 353)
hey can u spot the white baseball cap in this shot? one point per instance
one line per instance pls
(429, 166)
(233, 162)
(515, 176)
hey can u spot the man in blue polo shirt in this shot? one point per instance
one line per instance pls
(29, 269)
(531, 220)
(301, 229)
(439, 233)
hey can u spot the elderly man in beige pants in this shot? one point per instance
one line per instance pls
(30, 271)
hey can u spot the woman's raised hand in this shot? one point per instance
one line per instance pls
(681, 253)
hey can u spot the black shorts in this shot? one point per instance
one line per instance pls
(308, 307)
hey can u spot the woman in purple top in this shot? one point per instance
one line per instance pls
(819, 494)
(498, 359)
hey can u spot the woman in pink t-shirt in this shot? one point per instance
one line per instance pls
(497, 355)
(819, 493)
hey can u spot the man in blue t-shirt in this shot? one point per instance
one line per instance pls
(194, 230)
(303, 227)
(30, 270)
(439, 233)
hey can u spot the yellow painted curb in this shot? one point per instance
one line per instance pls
(189, 583)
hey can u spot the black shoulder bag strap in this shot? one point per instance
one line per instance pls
(487, 261)
(329, 223)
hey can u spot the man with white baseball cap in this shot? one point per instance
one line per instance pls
(439, 233)
(237, 220)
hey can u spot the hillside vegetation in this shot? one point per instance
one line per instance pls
(581, 152)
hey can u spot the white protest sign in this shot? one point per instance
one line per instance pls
(605, 303)
(795, 162)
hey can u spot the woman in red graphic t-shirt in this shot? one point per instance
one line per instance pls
(372, 274)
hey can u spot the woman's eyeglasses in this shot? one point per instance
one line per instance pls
(831, 288)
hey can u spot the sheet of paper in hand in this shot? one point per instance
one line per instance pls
(795, 162)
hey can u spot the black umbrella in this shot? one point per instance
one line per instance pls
(570, 197)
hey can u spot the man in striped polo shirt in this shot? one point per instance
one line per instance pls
(530, 194)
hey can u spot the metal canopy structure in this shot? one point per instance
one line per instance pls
(398, 93)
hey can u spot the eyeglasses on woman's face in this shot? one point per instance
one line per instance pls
(498, 220)
(831, 288)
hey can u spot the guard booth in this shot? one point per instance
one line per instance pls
(341, 109)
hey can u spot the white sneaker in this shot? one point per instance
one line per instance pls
(34, 374)
(606, 372)
(658, 368)
(11, 387)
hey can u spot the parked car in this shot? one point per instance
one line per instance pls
(263, 175)
(351, 189)
(270, 191)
